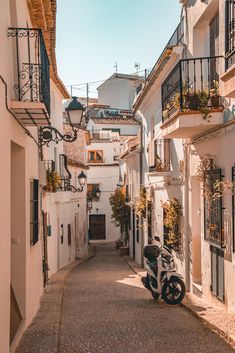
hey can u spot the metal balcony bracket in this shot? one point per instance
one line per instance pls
(49, 133)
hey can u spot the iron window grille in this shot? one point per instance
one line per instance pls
(161, 161)
(188, 79)
(34, 211)
(213, 209)
(32, 66)
(229, 33)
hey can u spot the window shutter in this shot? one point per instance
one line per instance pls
(34, 211)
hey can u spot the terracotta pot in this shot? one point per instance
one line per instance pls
(192, 102)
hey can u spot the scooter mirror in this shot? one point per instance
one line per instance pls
(157, 238)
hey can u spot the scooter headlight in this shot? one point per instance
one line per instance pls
(168, 265)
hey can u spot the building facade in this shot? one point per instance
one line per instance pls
(187, 113)
(31, 216)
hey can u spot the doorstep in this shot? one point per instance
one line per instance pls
(213, 316)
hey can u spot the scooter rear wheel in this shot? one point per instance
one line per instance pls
(173, 291)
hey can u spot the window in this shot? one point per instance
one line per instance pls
(33, 211)
(95, 156)
(69, 234)
(230, 33)
(160, 155)
(213, 208)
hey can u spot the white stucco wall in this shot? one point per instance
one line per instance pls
(117, 92)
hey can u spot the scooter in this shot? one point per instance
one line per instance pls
(162, 280)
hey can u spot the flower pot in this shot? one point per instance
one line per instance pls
(192, 102)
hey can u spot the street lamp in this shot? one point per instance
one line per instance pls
(97, 193)
(75, 113)
(82, 181)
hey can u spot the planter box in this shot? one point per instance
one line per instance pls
(124, 250)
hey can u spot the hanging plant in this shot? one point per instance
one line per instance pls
(171, 221)
(141, 203)
(53, 181)
(207, 162)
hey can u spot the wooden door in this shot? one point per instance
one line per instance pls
(97, 227)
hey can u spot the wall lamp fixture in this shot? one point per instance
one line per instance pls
(76, 119)
(68, 187)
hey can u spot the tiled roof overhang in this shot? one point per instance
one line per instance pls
(43, 16)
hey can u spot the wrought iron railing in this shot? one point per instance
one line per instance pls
(32, 66)
(229, 33)
(160, 156)
(176, 38)
(193, 84)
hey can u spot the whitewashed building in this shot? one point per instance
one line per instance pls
(187, 111)
(31, 216)
(107, 135)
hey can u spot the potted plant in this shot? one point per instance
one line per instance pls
(192, 100)
(172, 220)
(214, 95)
(53, 181)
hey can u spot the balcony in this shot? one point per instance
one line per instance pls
(191, 102)
(129, 146)
(104, 136)
(159, 157)
(32, 77)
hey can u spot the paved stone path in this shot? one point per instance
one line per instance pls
(105, 309)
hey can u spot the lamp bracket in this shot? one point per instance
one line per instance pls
(49, 133)
(68, 187)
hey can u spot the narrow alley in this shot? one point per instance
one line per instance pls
(105, 309)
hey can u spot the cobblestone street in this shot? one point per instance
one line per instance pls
(105, 309)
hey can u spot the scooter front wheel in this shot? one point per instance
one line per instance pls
(173, 291)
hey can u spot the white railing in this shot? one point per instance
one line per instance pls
(105, 135)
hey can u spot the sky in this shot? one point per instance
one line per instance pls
(94, 35)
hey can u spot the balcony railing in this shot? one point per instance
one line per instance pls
(105, 135)
(160, 156)
(32, 66)
(230, 33)
(176, 38)
(193, 85)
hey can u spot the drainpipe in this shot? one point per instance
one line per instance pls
(187, 247)
(141, 184)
